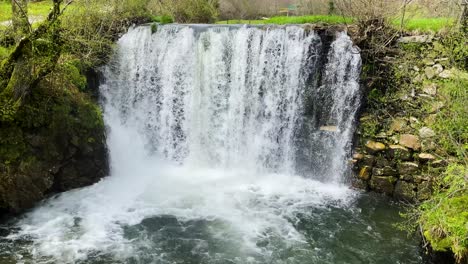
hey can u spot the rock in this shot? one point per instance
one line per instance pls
(387, 171)
(430, 89)
(367, 160)
(382, 162)
(426, 157)
(446, 74)
(416, 39)
(424, 191)
(436, 106)
(430, 72)
(360, 184)
(365, 173)
(398, 125)
(428, 145)
(329, 128)
(438, 68)
(382, 184)
(358, 156)
(414, 122)
(428, 62)
(399, 152)
(405, 191)
(426, 132)
(439, 164)
(374, 146)
(430, 119)
(408, 168)
(410, 141)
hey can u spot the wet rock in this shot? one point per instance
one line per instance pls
(382, 162)
(365, 173)
(430, 89)
(360, 184)
(426, 132)
(358, 156)
(367, 160)
(410, 141)
(408, 168)
(373, 146)
(383, 184)
(405, 191)
(399, 152)
(424, 191)
(426, 157)
(329, 128)
(385, 171)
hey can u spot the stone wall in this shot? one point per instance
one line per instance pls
(397, 151)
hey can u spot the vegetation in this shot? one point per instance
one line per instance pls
(282, 20)
(35, 9)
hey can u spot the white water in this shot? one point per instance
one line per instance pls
(211, 124)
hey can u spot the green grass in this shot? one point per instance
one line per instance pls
(420, 24)
(426, 24)
(282, 20)
(34, 9)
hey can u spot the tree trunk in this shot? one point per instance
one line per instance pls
(20, 16)
(464, 16)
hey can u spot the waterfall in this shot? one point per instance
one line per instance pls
(262, 100)
(228, 144)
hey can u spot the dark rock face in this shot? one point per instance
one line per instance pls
(55, 142)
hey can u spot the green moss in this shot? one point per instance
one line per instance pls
(444, 218)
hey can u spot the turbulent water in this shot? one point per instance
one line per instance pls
(227, 145)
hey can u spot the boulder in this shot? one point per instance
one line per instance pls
(410, 141)
(430, 89)
(385, 171)
(426, 132)
(398, 125)
(399, 152)
(405, 191)
(446, 74)
(365, 173)
(408, 168)
(373, 146)
(426, 157)
(367, 160)
(424, 191)
(382, 184)
(430, 72)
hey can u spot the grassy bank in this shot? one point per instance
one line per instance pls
(36, 9)
(412, 24)
(282, 20)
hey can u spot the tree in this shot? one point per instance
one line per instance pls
(33, 57)
(19, 19)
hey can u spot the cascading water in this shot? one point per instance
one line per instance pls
(237, 99)
(227, 145)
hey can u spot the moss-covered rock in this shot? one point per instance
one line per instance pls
(55, 141)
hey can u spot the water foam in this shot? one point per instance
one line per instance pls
(210, 126)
